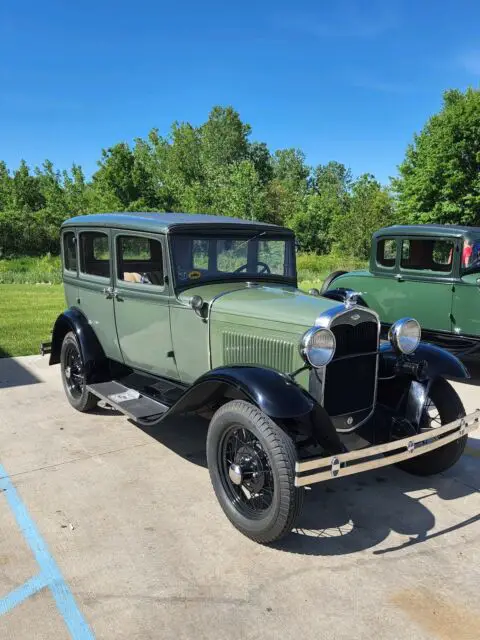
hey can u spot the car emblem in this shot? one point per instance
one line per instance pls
(355, 317)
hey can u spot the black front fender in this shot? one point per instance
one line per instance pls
(94, 359)
(277, 395)
(440, 363)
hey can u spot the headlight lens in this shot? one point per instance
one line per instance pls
(405, 335)
(317, 346)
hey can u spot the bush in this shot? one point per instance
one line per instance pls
(28, 270)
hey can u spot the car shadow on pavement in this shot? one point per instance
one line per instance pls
(13, 374)
(355, 513)
(350, 514)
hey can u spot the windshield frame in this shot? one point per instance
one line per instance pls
(245, 235)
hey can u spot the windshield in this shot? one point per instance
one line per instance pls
(200, 259)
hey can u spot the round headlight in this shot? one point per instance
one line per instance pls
(405, 334)
(317, 346)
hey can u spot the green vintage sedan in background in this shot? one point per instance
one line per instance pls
(429, 271)
(175, 313)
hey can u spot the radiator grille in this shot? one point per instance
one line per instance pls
(241, 348)
(350, 383)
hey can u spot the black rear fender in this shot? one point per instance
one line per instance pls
(94, 359)
(277, 395)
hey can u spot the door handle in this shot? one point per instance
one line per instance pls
(109, 292)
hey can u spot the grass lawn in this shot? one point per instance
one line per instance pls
(27, 314)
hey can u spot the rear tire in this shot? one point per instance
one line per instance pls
(251, 461)
(73, 375)
(446, 401)
(329, 279)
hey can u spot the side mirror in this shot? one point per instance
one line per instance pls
(314, 292)
(196, 302)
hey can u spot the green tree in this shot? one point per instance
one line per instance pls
(113, 183)
(439, 179)
(371, 207)
(224, 137)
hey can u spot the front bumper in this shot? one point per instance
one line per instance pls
(346, 464)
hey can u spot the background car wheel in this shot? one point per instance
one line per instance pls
(73, 375)
(329, 279)
(443, 406)
(251, 461)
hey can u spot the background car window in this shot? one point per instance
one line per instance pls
(140, 260)
(94, 253)
(386, 252)
(428, 255)
(69, 251)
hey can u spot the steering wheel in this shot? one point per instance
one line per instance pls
(265, 268)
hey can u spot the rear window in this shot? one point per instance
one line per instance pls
(69, 251)
(386, 252)
(427, 255)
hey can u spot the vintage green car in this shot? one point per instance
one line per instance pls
(429, 271)
(175, 313)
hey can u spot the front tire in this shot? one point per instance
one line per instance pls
(73, 375)
(251, 461)
(442, 406)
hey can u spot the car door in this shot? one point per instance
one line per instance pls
(142, 309)
(466, 296)
(423, 283)
(95, 287)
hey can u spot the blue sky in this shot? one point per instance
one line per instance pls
(349, 80)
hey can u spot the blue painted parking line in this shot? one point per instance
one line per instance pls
(50, 575)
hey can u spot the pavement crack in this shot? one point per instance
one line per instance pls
(86, 457)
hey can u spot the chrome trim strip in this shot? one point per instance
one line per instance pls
(325, 320)
(337, 466)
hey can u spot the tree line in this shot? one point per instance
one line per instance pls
(217, 168)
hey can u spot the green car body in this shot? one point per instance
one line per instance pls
(440, 287)
(175, 313)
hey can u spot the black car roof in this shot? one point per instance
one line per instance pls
(433, 230)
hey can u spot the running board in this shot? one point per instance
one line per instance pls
(132, 403)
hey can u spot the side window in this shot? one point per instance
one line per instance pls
(94, 253)
(69, 251)
(428, 255)
(140, 260)
(386, 253)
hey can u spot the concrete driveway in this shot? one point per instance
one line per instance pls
(108, 531)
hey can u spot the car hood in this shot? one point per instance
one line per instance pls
(265, 304)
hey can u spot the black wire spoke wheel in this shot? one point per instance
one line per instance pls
(73, 375)
(251, 461)
(431, 415)
(246, 472)
(74, 372)
(442, 406)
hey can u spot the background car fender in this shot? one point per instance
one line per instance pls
(277, 395)
(94, 359)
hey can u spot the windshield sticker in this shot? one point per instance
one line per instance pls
(194, 275)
